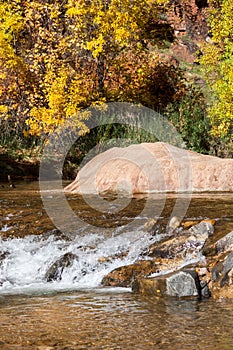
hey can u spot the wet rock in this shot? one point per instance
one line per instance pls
(183, 244)
(169, 254)
(211, 221)
(104, 259)
(188, 224)
(3, 256)
(202, 229)
(183, 283)
(217, 271)
(150, 224)
(58, 235)
(123, 276)
(222, 267)
(227, 278)
(178, 284)
(54, 273)
(222, 277)
(224, 244)
(174, 222)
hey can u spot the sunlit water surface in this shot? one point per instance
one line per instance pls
(113, 319)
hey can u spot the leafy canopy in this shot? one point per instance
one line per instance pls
(55, 55)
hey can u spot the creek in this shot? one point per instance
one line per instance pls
(76, 312)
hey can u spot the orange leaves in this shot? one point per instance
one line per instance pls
(60, 57)
(139, 77)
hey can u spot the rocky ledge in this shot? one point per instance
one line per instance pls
(153, 167)
(184, 263)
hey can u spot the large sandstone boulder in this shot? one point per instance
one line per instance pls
(153, 167)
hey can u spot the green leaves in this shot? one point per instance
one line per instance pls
(217, 63)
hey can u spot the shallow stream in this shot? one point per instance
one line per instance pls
(76, 312)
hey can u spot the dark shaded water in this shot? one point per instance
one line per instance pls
(35, 315)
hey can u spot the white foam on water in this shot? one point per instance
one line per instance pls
(26, 260)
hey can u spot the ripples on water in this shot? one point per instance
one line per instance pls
(83, 315)
(113, 319)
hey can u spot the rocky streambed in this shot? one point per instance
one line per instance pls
(184, 260)
(163, 269)
(162, 256)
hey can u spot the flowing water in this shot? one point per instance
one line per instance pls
(76, 312)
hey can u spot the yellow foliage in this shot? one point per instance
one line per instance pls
(217, 63)
(55, 56)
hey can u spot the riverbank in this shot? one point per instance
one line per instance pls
(23, 166)
(18, 170)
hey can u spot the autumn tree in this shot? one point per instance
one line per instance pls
(59, 57)
(34, 55)
(217, 63)
(14, 75)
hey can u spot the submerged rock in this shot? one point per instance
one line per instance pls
(54, 273)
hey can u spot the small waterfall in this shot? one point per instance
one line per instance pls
(25, 261)
(56, 262)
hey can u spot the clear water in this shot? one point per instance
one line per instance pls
(76, 312)
(107, 319)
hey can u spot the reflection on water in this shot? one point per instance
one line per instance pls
(113, 320)
(106, 318)
(21, 207)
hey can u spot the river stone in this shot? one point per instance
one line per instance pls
(182, 244)
(174, 222)
(153, 167)
(54, 272)
(222, 277)
(224, 244)
(202, 230)
(123, 276)
(177, 284)
(183, 284)
(3, 256)
(221, 268)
